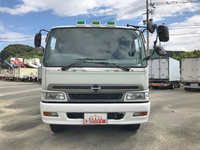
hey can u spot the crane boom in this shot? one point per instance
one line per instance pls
(9, 64)
(20, 62)
(16, 63)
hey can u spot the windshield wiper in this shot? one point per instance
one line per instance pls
(77, 62)
(113, 64)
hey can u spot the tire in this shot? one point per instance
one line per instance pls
(57, 128)
(179, 85)
(154, 87)
(187, 89)
(133, 127)
(171, 86)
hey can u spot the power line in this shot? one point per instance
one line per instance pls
(182, 12)
(178, 34)
(11, 41)
(179, 28)
(17, 41)
(186, 25)
(115, 11)
(124, 14)
(174, 2)
(18, 37)
(185, 34)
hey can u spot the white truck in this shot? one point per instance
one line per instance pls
(190, 73)
(96, 75)
(164, 73)
(39, 74)
(25, 74)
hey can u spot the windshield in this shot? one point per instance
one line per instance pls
(123, 47)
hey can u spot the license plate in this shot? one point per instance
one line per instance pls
(95, 118)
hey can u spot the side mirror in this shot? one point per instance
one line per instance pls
(131, 53)
(37, 40)
(40, 51)
(163, 33)
(150, 26)
(160, 51)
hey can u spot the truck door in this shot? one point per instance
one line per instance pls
(155, 69)
(188, 69)
(164, 70)
(198, 69)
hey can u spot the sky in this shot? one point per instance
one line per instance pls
(20, 20)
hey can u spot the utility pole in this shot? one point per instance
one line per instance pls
(147, 19)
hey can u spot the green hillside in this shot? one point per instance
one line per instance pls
(169, 53)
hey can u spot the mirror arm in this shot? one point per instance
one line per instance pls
(43, 30)
(155, 42)
(144, 30)
(128, 25)
(148, 57)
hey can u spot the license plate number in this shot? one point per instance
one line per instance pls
(95, 118)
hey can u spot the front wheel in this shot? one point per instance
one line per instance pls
(133, 127)
(187, 89)
(57, 128)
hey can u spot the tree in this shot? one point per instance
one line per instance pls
(195, 53)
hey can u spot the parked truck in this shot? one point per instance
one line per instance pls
(190, 73)
(26, 74)
(164, 73)
(10, 74)
(39, 74)
(96, 75)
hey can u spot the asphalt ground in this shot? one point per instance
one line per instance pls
(174, 124)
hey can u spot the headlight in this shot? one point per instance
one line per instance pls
(53, 96)
(137, 96)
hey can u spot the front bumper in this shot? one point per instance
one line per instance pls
(63, 108)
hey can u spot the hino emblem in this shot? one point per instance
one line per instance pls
(95, 88)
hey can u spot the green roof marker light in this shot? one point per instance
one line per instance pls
(110, 23)
(96, 23)
(80, 23)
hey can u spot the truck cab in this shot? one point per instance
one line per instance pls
(94, 75)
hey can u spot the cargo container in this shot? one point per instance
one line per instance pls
(39, 74)
(190, 73)
(29, 74)
(164, 72)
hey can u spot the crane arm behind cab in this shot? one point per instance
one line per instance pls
(16, 63)
(20, 62)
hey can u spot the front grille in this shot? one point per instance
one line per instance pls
(81, 115)
(102, 87)
(95, 96)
